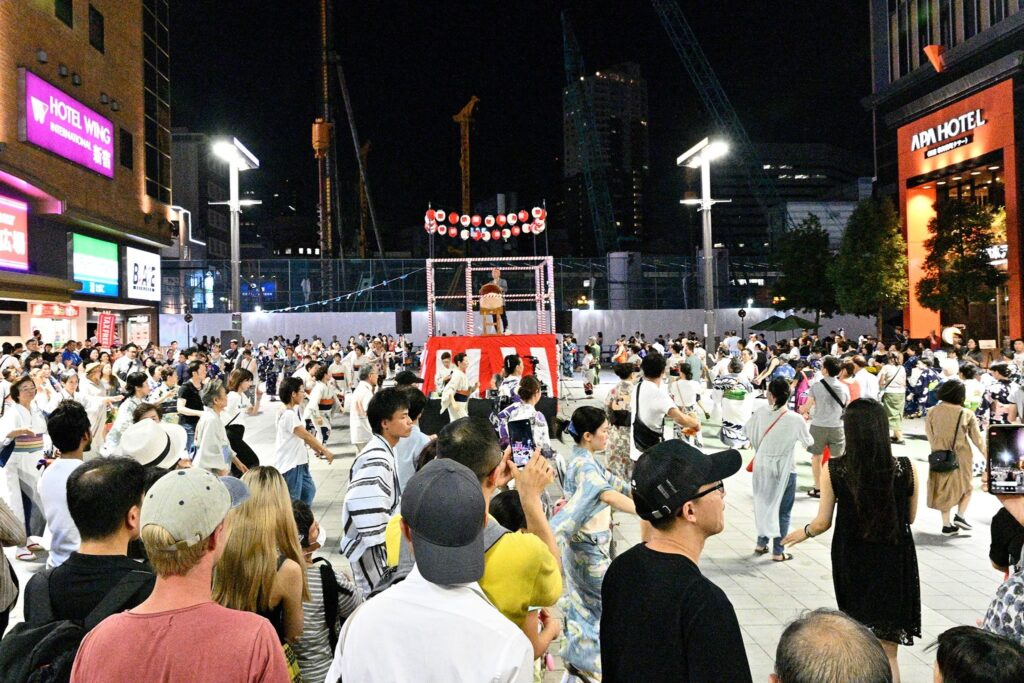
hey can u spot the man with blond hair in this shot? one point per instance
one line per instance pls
(179, 633)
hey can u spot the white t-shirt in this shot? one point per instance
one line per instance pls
(654, 405)
(53, 492)
(235, 412)
(290, 450)
(359, 426)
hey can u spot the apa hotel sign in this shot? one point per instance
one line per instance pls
(952, 130)
(55, 121)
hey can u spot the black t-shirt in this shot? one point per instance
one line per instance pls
(193, 400)
(662, 620)
(1007, 539)
(78, 585)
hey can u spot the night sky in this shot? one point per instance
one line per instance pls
(796, 71)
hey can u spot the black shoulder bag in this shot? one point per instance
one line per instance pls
(643, 436)
(945, 460)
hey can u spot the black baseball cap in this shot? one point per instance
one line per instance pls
(672, 472)
(407, 378)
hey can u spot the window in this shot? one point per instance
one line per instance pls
(126, 151)
(95, 28)
(997, 10)
(947, 28)
(924, 25)
(156, 97)
(65, 11)
(972, 17)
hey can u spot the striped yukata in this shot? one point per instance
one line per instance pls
(313, 648)
(372, 499)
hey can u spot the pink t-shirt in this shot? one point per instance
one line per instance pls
(205, 642)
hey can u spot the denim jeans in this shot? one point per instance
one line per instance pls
(301, 486)
(190, 436)
(785, 508)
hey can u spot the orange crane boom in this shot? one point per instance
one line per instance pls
(463, 118)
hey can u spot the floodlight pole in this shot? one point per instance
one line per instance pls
(709, 280)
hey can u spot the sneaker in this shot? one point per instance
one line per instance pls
(951, 530)
(962, 523)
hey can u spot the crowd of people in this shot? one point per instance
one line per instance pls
(170, 542)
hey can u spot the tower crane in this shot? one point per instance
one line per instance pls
(718, 106)
(464, 118)
(364, 205)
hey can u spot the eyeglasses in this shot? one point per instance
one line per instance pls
(720, 486)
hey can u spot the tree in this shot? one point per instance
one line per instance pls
(802, 255)
(958, 270)
(870, 271)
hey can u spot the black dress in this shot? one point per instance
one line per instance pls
(876, 583)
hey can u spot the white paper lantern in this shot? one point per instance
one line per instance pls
(512, 219)
(506, 233)
(489, 221)
(465, 221)
(486, 237)
(464, 235)
(537, 211)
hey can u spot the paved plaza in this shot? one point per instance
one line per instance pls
(957, 581)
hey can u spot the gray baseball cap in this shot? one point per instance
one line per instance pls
(189, 504)
(445, 509)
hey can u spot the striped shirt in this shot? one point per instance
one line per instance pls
(371, 500)
(313, 648)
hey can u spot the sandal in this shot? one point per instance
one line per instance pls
(814, 493)
(784, 557)
(760, 551)
(25, 555)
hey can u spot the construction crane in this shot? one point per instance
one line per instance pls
(464, 118)
(719, 107)
(588, 142)
(364, 204)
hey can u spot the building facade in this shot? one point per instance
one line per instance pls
(619, 97)
(803, 173)
(950, 125)
(85, 188)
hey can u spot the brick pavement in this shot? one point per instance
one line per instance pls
(957, 580)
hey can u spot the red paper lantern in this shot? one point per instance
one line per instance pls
(536, 211)
(524, 216)
(489, 221)
(495, 234)
(515, 230)
(453, 217)
(500, 219)
(543, 214)
(476, 220)
(506, 233)
(476, 235)
(538, 228)
(526, 228)
(453, 231)
(512, 218)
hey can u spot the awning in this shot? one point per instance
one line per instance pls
(31, 287)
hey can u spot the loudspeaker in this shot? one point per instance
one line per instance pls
(403, 321)
(548, 406)
(433, 420)
(563, 322)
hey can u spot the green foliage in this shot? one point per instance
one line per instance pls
(802, 256)
(957, 270)
(870, 271)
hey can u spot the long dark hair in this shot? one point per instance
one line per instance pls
(871, 469)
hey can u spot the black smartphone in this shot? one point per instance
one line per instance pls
(520, 438)
(1006, 459)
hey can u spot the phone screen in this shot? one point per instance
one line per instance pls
(520, 437)
(1006, 459)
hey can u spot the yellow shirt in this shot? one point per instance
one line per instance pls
(519, 571)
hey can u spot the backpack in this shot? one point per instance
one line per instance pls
(44, 650)
(329, 581)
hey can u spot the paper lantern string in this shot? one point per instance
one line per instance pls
(349, 295)
(486, 228)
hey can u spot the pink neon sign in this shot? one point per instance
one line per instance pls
(61, 124)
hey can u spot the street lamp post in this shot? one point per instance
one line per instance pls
(239, 159)
(700, 156)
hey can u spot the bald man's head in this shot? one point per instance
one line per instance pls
(827, 646)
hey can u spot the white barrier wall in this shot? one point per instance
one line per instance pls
(260, 326)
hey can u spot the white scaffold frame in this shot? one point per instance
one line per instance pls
(543, 297)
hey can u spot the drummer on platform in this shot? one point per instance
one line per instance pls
(499, 281)
(455, 397)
